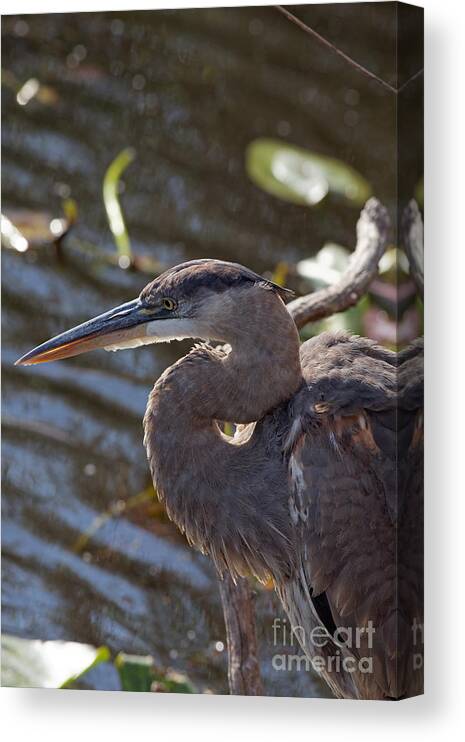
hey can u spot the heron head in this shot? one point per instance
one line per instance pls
(199, 299)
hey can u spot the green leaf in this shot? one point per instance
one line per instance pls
(173, 683)
(135, 672)
(139, 674)
(300, 176)
(30, 663)
(112, 205)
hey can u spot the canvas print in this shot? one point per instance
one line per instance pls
(231, 199)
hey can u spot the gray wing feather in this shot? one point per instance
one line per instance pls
(355, 501)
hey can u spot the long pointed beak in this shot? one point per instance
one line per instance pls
(119, 325)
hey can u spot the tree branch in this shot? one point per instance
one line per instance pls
(239, 617)
(372, 232)
(412, 239)
(311, 32)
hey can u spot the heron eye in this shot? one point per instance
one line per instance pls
(168, 304)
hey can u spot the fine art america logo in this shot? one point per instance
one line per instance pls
(344, 638)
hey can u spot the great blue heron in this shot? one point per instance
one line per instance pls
(315, 490)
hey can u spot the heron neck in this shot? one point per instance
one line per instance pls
(257, 369)
(202, 477)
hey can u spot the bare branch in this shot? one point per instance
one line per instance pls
(412, 239)
(311, 32)
(239, 617)
(372, 233)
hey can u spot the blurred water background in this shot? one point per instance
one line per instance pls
(88, 555)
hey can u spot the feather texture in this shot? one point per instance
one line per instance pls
(320, 490)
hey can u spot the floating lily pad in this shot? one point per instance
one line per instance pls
(33, 89)
(302, 177)
(30, 90)
(32, 663)
(22, 228)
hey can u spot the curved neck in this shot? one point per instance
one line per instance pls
(203, 479)
(257, 370)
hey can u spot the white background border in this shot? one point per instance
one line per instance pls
(77, 715)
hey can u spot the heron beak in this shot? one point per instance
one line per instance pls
(119, 326)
